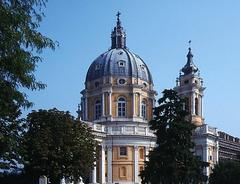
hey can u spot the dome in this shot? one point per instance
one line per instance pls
(119, 62)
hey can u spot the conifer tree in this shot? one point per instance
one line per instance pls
(172, 160)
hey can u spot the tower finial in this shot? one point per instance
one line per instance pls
(189, 67)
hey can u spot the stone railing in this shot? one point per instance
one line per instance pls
(121, 129)
(206, 129)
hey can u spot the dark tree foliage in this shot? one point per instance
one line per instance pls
(226, 172)
(172, 160)
(56, 145)
(20, 46)
(17, 178)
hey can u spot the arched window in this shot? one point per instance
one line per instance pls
(98, 109)
(144, 110)
(121, 107)
(196, 106)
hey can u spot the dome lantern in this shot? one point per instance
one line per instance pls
(118, 35)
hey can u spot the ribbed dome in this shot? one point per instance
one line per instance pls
(119, 62)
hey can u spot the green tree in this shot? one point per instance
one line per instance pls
(20, 47)
(172, 160)
(226, 172)
(56, 145)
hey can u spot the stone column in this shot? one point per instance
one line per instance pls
(83, 108)
(146, 153)
(102, 162)
(200, 105)
(205, 158)
(193, 103)
(140, 105)
(94, 174)
(103, 104)
(110, 103)
(133, 105)
(153, 103)
(109, 164)
(43, 180)
(217, 150)
(63, 181)
(136, 164)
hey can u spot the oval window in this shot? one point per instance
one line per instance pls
(122, 81)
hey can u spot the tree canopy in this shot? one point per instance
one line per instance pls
(225, 172)
(56, 145)
(20, 47)
(172, 160)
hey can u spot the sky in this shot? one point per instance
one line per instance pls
(158, 31)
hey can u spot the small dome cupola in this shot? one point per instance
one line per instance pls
(190, 67)
(118, 35)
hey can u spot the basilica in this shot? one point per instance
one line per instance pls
(117, 103)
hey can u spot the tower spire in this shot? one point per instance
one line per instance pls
(190, 67)
(118, 35)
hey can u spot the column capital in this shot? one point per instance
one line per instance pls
(135, 147)
(147, 147)
(103, 146)
(109, 147)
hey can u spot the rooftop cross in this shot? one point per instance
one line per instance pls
(118, 15)
(189, 43)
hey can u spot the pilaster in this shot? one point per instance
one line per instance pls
(136, 172)
(109, 164)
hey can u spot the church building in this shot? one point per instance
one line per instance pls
(118, 102)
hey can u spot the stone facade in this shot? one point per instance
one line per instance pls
(229, 147)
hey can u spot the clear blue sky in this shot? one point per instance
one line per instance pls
(158, 31)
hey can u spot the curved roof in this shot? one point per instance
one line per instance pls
(119, 62)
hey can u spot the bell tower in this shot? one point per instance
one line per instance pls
(189, 84)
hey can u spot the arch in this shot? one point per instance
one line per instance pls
(98, 110)
(121, 107)
(144, 109)
(196, 106)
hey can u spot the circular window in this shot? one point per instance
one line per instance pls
(122, 81)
